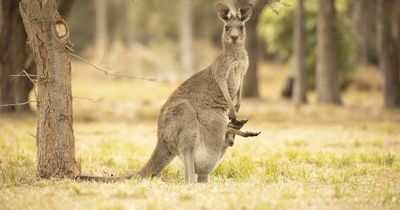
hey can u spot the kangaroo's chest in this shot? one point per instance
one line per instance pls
(237, 71)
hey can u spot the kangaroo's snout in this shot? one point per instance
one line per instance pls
(234, 38)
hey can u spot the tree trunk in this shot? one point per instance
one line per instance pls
(363, 19)
(250, 84)
(328, 91)
(186, 37)
(48, 36)
(388, 53)
(101, 29)
(12, 58)
(299, 92)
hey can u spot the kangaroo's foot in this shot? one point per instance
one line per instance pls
(243, 133)
(202, 178)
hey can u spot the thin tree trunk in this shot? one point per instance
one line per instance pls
(12, 58)
(360, 25)
(328, 91)
(388, 53)
(299, 92)
(396, 26)
(251, 83)
(101, 29)
(48, 36)
(186, 37)
(363, 16)
(65, 7)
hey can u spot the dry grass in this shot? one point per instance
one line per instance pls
(305, 158)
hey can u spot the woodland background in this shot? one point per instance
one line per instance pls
(329, 113)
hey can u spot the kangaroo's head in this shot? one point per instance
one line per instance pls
(234, 23)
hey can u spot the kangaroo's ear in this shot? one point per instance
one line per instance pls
(223, 12)
(245, 12)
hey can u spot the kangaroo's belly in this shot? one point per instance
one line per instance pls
(205, 159)
(207, 150)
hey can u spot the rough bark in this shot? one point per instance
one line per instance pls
(328, 91)
(12, 58)
(388, 53)
(299, 92)
(48, 36)
(251, 83)
(186, 37)
(101, 29)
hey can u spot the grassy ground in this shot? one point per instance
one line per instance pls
(305, 158)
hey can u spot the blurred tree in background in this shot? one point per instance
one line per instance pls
(142, 37)
(299, 89)
(327, 86)
(16, 57)
(363, 19)
(389, 51)
(251, 83)
(276, 29)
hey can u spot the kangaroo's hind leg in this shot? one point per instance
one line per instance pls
(187, 140)
(188, 161)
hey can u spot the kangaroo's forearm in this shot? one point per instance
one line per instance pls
(238, 98)
(224, 89)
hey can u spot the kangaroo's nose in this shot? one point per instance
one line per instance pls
(234, 38)
(230, 143)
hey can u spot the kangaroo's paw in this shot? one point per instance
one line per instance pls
(237, 124)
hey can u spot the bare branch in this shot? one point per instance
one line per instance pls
(89, 99)
(111, 74)
(26, 74)
(23, 73)
(18, 104)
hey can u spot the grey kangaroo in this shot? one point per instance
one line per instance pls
(193, 122)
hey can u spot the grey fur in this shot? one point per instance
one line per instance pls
(193, 121)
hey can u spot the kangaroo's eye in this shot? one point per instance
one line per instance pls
(227, 28)
(241, 28)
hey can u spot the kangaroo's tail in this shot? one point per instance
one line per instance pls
(159, 159)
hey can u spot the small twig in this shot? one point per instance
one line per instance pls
(111, 74)
(275, 10)
(18, 104)
(69, 48)
(32, 135)
(34, 83)
(89, 99)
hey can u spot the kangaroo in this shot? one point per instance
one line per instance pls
(193, 122)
